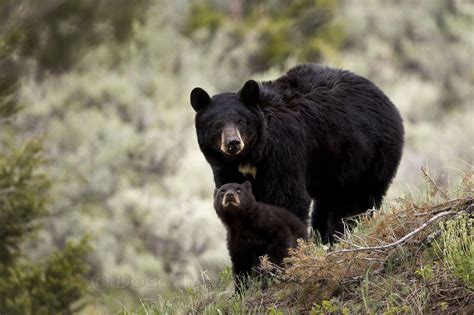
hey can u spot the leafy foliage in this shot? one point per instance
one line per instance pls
(29, 34)
(56, 33)
(281, 29)
(28, 287)
(57, 284)
(51, 36)
(23, 196)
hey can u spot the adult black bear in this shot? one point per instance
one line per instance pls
(315, 133)
(254, 229)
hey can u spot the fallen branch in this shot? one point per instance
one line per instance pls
(400, 241)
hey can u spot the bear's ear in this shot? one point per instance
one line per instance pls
(247, 185)
(250, 93)
(199, 99)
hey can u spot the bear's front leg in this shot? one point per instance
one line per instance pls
(285, 191)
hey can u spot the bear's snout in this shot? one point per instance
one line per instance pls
(231, 141)
(230, 197)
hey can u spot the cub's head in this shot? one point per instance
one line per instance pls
(227, 124)
(233, 198)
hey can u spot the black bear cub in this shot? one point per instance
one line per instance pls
(254, 229)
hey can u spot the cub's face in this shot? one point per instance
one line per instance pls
(227, 124)
(233, 198)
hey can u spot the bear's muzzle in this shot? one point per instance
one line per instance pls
(231, 141)
(230, 198)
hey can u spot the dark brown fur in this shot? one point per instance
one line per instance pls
(255, 229)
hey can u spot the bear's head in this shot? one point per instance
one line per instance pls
(227, 124)
(233, 199)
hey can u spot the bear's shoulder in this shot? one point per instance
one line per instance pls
(279, 95)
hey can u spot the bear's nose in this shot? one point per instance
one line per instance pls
(233, 146)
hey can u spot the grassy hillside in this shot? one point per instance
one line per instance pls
(416, 255)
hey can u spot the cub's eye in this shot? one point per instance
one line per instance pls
(238, 190)
(222, 193)
(241, 122)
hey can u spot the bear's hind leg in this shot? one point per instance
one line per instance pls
(327, 217)
(319, 219)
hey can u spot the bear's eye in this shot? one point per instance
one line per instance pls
(222, 193)
(238, 190)
(241, 122)
(218, 125)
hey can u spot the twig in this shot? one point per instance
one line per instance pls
(440, 207)
(361, 277)
(454, 203)
(377, 271)
(400, 241)
(430, 238)
(433, 184)
(347, 242)
(361, 239)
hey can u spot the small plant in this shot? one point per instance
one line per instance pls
(456, 248)
(226, 275)
(329, 307)
(272, 310)
(426, 272)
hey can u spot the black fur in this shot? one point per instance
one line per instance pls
(255, 229)
(315, 133)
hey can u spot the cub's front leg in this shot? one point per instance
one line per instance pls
(242, 264)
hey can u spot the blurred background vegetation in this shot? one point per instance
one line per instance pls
(104, 195)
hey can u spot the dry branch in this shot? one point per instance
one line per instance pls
(400, 241)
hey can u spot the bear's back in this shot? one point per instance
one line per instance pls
(312, 79)
(307, 77)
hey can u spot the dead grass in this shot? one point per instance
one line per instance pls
(392, 262)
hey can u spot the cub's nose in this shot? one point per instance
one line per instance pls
(233, 146)
(229, 196)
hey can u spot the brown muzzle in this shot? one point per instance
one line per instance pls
(231, 141)
(230, 197)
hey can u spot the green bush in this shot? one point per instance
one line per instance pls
(51, 286)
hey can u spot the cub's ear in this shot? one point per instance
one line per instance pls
(199, 99)
(250, 93)
(247, 185)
